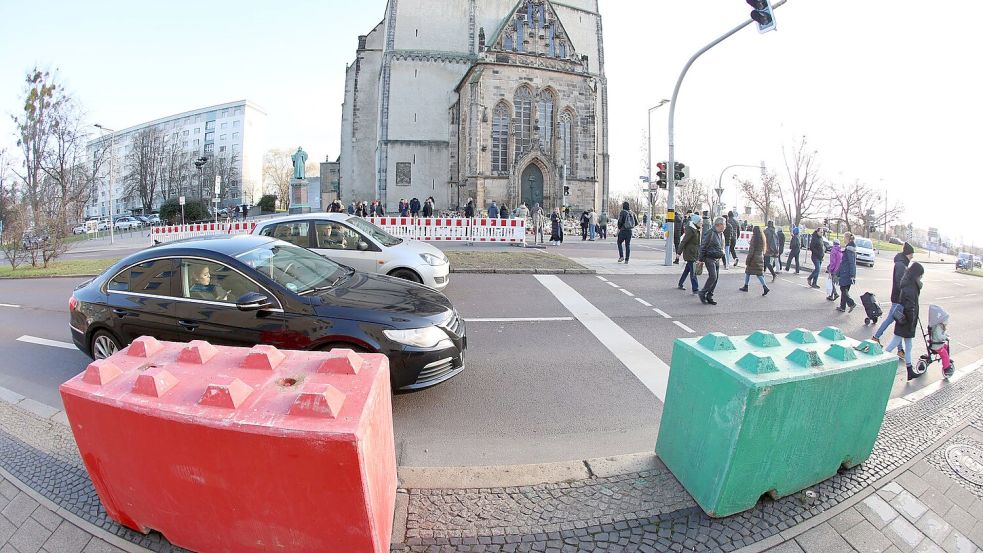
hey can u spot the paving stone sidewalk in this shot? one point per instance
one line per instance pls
(921, 490)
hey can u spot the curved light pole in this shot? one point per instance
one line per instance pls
(720, 181)
(112, 156)
(671, 203)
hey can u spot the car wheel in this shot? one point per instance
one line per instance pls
(407, 274)
(104, 344)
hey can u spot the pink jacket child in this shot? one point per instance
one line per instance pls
(835, 258)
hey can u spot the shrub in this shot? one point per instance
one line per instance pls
(194, 210)
(267, 203)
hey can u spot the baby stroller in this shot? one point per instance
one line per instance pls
(870, 306)
(936, 342)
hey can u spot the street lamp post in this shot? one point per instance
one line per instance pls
(200, 164)
(112, 157)
(671, 202)
(648, 230)
(720, 181)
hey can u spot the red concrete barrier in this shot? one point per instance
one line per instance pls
(231, 449)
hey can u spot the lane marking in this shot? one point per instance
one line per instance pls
(613, 284)
(959, 284)
(651, 371)
(46, 342)
(627, 293)
(796, 283)
(602, 279)
(662, 313)
(947, 298)
(513, 320)
(643, 302)
(10, 305)
(684, 327)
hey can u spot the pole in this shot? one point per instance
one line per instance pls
(648, 233)
(720, 181)
(671, 203)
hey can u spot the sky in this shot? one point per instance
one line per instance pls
(884, 90)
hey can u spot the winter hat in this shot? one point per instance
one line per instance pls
(795, 230)
(695, 218)
(907, 249)
(836, 242)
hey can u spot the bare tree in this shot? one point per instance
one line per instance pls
(145, 165)
(42, 99)
(762, 195)
(8, 188)
(804, 188)
(11, 237)
(278, 169)
(70, 173)
(226, 167)
(693, 194)
(177, 171)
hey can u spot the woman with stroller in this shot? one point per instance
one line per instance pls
(835, 258)
(906, 317)
(754, 264)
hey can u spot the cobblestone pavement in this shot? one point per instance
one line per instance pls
(934, 504)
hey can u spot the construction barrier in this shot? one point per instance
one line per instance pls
(400, 227)
(767, 413)
(743, 241)
(161, 234)
(236, 449)
(444, 230)
(510, 231)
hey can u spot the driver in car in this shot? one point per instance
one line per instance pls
(202, 287)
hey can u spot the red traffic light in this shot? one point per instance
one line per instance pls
(662, 165)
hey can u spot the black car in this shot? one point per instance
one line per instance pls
(248, 290)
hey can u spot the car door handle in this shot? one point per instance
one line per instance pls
(188, 325)
(120, 312)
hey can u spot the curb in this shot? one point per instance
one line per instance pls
(524, 271)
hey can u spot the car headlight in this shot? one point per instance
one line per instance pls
(433, 260)
(428, 337)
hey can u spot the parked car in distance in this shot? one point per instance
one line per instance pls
(248, 290)
(127, 223)
(81, 228)
(895, 241)
(359, 244)
(155, 219)
(34, 240)
(866, 254)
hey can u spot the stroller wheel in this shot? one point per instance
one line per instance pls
(920, 368)
(866, 322)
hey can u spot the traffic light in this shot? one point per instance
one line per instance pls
(681, 171)
(566, 190)
(663, 174)
(763, 15)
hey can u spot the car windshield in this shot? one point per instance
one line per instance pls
(296, 269)
(374, 232)
(865, 243)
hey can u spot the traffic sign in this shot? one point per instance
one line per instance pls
(180, 200)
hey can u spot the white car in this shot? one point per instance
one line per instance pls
(359, 244)
(865, 251)
(126, 223)
(80, 229)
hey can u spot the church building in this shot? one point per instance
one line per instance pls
(490, 100)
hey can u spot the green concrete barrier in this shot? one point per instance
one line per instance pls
(766, 413)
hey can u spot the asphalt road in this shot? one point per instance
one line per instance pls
(556, 365)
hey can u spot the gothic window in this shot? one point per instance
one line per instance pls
(523, 122)
(546, 121)
(519, 34)
(509, 43)
(564, 140)
(563, 49)
(500, 139)
(541, 16)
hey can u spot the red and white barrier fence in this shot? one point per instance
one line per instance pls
(173, 233)
(743, 241)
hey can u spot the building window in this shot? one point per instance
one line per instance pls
(197, 130)
(221, 149)
(546, 121)
(235, 148)
(500, 138)
(235, 136)
(197, 118)
(221, 137)
(225, 113)
(174, 136)
(209, 137)
(197, 143)
(209, 125)
(185, 133)
(523, 122)
(209, 148)
(509, 43)
(564, 138)
(404, 174)
(235, 124)
(225, 125)
(184, 144)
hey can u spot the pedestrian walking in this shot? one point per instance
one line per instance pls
(522, 212)
(794, 247)
(592, 225)
(351, 208)
(848, 273)
(906, 316)
(711, 252)
(818, 250)
(602, 225)
(780, 233)
(901, 262)
(735, 232)
(556, 221)
(689, 247)
(771, 249)
(584, 224)
(380, 210)
(503, 212)
(404, 208)
(835, 259)
(679, 228)
(493, 210)
(626, 222)
(469, 209)
(415, 207)
(539, 225)
(754, 263)
(428, 208)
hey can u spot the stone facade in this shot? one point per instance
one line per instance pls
(431, 105)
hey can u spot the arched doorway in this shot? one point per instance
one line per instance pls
(532, 185)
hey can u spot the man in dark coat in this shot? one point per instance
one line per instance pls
(469, 209)
(771, 249)
(689, 247)
(584, 224)
(794, 246)
(848, 273)
(679, 227)
(781, 247)
(901, 262)
(906, 321)
(818, 250)
(711, 252)
(626, 223)
(415, 207)
(735, 232)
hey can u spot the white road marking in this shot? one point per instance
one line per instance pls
(948, 298)
(649, 369)
(602, 279)
(796, 283)
(959, 284)
(662, 313)
(643, 302)
(627, 293)
(613, 284)
(512, 320)
(913, 397)
(9, 305)
(46, 342)
(684, 327)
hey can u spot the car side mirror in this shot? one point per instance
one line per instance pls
(363, 247)
(253, 301)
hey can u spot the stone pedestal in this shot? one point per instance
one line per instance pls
(299, 196)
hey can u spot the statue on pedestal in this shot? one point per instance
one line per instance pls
(300, 159)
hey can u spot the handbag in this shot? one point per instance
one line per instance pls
(698, 268)
(899, 316)
(829, 285)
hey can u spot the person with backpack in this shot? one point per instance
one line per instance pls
(689, 247)
(626, 222)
